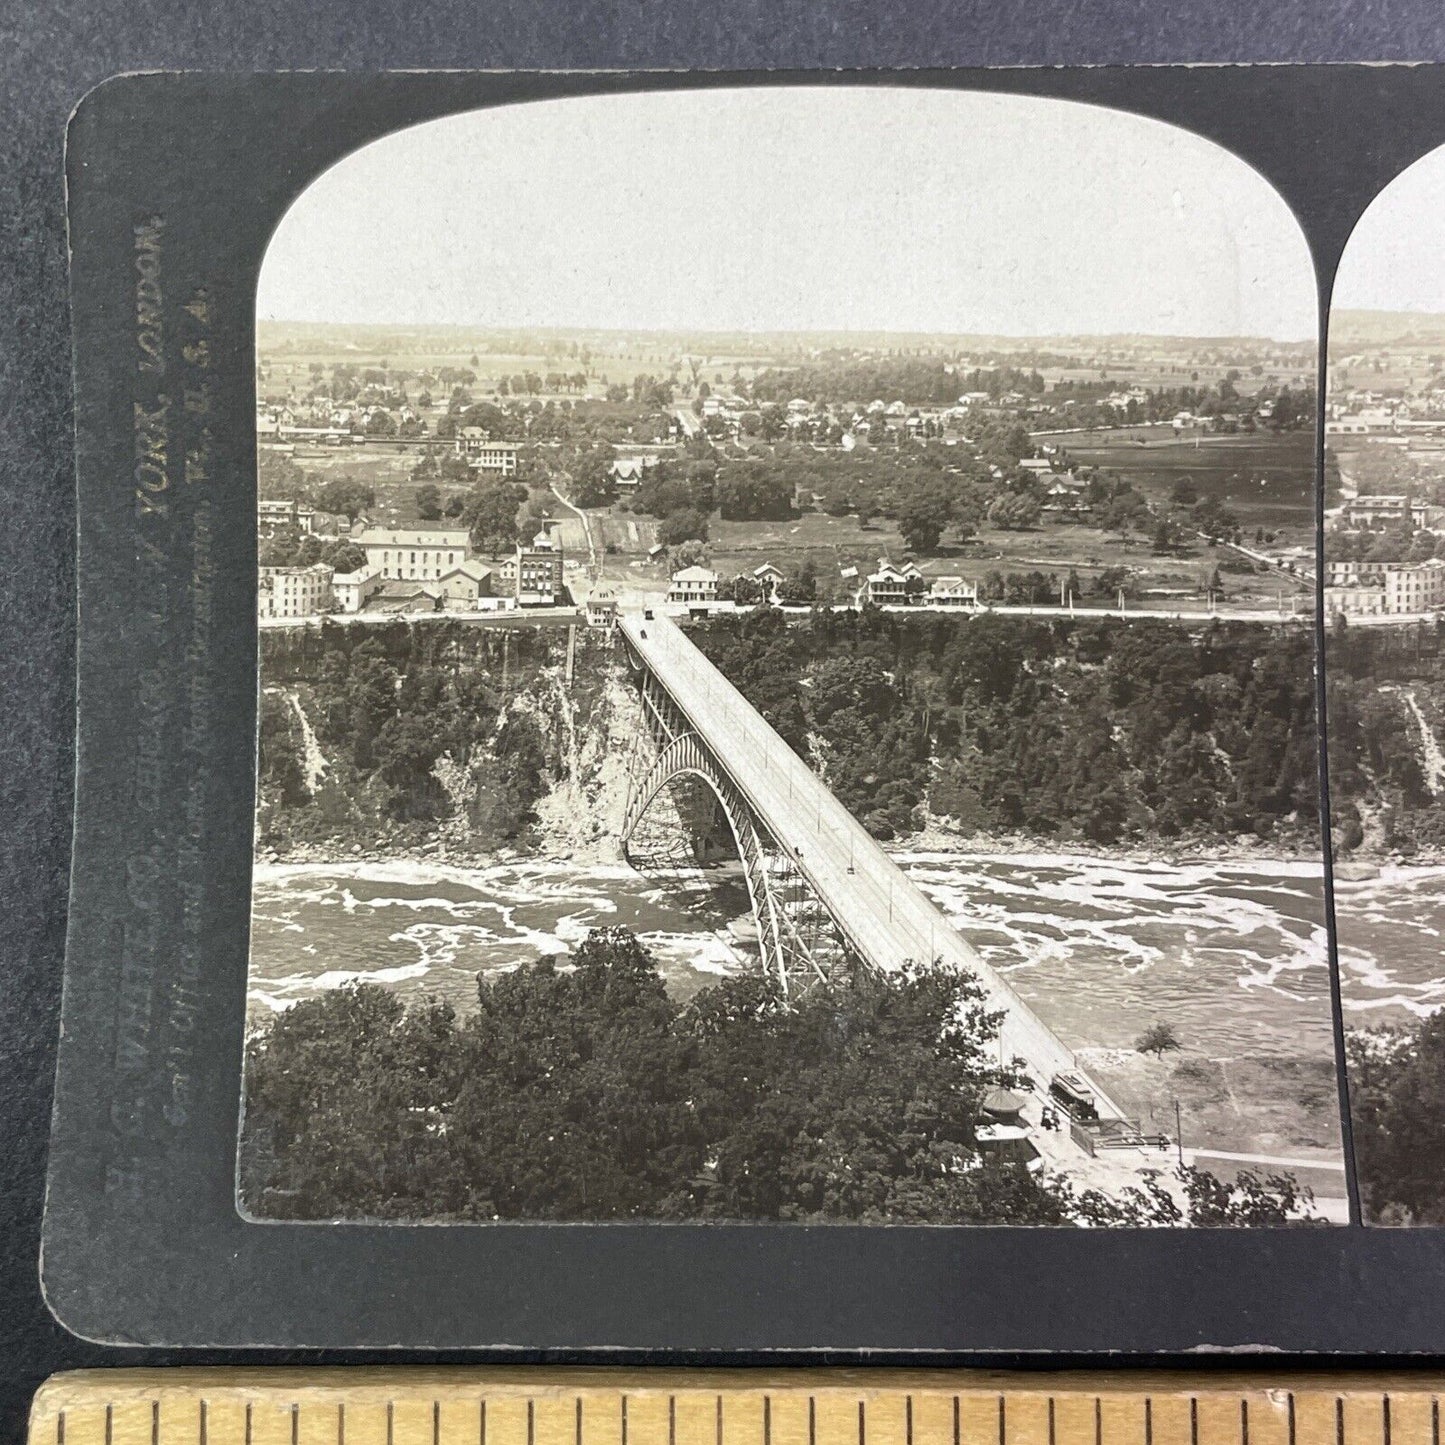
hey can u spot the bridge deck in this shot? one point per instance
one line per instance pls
(881, 912)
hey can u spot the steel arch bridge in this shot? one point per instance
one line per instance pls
(823, 892)
(799, 944)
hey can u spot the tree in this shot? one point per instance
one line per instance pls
(1014, 511)
(490, 514)
(592, 483)
(1158, 1039)
(345, 496)
(428, 502)
(747, 492)
(1397, 1103)
(684, 526)
(278, 478)
(589, 1092)
(691, 553)
(922, 519)
(345, 557)
(1123, 513)
(1213, 518)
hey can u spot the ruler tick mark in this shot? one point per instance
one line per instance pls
(767, 1421)
(532, 1423)
(390, 1422)
(813, 1420)
(1339, 1420)
(1002, 1422)
(248, 1422)
(436, 1422)
(1244, 1422)
(482, 1421)
(908, 1420)
(579, 1420)
(109, 1423)
(1434, 1421)
(1053, 1439)
(295, 1422)
(156, 1424)
(1148, 1420)
(862, 1424)
(1291, 1418)
(1193, 1420)
(341, 1422)
(956, 1432)
(1385, 1417)
(719, 1421)
(672, 1420)
(624, 1423)
(1098, 1421)
(60, 1427)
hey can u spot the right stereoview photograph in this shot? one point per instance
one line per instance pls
(1384, 589)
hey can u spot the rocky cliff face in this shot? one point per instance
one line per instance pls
(459, 749)
(590, 730)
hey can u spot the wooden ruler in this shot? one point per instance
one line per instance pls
(417, 1406)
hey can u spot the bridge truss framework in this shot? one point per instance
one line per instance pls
(799, 943)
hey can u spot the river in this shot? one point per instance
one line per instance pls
(1392, 944)
(1233, 954)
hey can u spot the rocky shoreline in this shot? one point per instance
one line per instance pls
(936, 837)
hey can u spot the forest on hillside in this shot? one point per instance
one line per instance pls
(1093, 731)
(1397, 1107)
(409, 733)
(1385, 689)
(586, 1091)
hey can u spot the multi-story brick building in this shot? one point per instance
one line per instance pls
(294, 591)
(1363, 589)
(539, 568)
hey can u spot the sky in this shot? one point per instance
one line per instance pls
(796, 209)
(1395, 257)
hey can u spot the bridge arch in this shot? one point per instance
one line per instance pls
(684, 756)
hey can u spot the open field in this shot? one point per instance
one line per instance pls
(1281, 1106)
(1266, 480)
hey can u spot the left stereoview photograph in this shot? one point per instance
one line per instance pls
(787, 674)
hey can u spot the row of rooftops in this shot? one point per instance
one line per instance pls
(890, 576)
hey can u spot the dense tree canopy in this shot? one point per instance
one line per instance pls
(490, 515)
(346, 496)
(583, 1090)
(1095, 730)
(1397, 1103)
(414, 738)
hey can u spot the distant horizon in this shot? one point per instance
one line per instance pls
(495, 328)
(787, 210)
